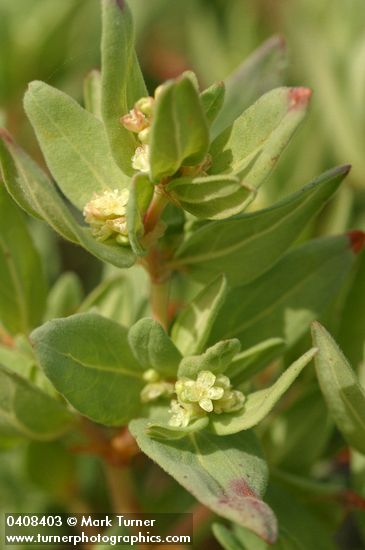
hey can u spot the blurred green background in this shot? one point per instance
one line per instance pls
(58, 42)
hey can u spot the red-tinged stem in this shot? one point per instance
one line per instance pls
(154, 211)
(160, 294)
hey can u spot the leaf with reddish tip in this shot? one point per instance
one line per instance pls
(227, 474)
(263, 70)
(342, 391)
(122, 81)
(253, 144)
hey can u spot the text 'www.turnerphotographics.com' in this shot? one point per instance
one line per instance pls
(108, 529)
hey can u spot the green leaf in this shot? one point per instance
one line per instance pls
(88, 360)
(179, 131)
(227, 474)
(140, 195)
(261, 71)
(250, 244)
(34, 192)
(16, 360)
(215, 359)
(92, 93)
(252, 360)
(351, 337)
(152, 347)
(191, 329)
(211, 197)
(243, 539)
(260, 403)
(344, 396)
(28, 410)
(228, 540)
(121, 298)
(284, 301)
(122, 81)
(170, 433)
(298, 436)
(74, 144)
(22, 282)
(64, 297)
(212, 100)
(254, 143)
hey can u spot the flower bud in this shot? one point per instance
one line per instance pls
(134, 121)
(145, 105)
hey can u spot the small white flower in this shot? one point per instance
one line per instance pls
(140, 159)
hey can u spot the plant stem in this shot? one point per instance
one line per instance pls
(154, 211)
(160, 293)
(120, 489)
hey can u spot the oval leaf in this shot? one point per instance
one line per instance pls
(88, 360)
(179, 131)
(227, 474)
(152, 347)
(74, 144)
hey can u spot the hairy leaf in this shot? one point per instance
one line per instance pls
(254, 143)
(122, 81)
(152, 347)
(344, 396)
(88, 360)
(212, 100)
(215, 359)
(284, 301)
(74, 144)
(227, 474)
(248, 245)
(31, 188)
(179, 131)
(260, 72)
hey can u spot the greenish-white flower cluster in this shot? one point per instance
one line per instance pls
(106, 214)
(208, 393)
